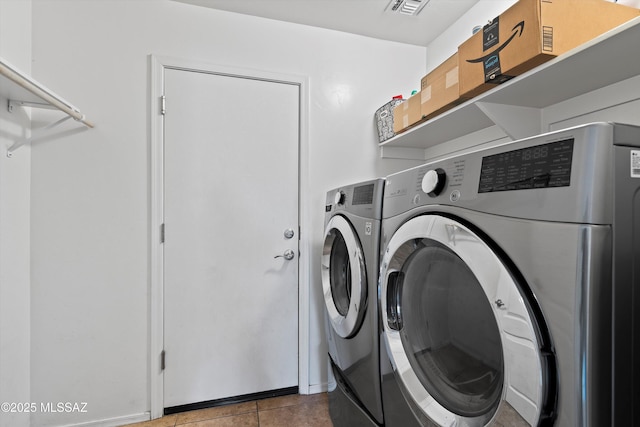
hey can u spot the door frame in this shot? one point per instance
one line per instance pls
(157, 66)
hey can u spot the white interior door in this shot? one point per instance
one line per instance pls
(230, 192)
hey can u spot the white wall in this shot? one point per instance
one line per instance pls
(90, 190)
(15, 47)
(632, 3)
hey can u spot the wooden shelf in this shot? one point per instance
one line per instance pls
(516, 106)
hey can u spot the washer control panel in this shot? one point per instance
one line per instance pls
(447, 178)
(433, 181)
(540, 166)
(558, 176)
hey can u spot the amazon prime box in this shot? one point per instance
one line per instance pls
(530, 33)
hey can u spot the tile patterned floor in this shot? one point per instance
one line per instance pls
(290, 411)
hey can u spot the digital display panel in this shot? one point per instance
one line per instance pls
(541, 166)
(363, 195)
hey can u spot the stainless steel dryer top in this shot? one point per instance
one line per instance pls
(578, 163)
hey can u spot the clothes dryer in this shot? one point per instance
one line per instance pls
(350, 265)
(510, 287)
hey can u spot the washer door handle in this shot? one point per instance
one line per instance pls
(288, 255)
(394, 297)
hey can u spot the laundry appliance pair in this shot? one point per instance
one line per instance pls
(509, 285)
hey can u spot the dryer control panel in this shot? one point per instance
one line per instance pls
(362, 199)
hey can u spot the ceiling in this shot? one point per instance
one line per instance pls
(364, 17)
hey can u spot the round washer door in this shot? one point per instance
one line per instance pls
(344, 277)
(458, 331)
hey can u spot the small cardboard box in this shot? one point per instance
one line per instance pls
(384, 119)
(439, 89)
(530, 33)
(407, 114)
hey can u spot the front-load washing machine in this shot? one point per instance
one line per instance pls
(510, 284)
(350, 265)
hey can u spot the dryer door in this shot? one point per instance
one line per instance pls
(344, 277)
(457, 329)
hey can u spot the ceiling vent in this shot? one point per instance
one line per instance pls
(406, 7)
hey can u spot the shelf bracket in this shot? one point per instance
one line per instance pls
(516, 121)
(13, 104)
(404, 153)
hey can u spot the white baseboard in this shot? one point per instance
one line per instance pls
(114, 422)
(318, 388)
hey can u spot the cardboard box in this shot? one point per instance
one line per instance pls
(407, 114)
(440, 88)
(530, 33)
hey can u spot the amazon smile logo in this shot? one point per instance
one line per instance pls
(517, 31)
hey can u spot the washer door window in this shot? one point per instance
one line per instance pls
(343, 277)
(457, 329)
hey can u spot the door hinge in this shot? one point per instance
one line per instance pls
(163, 105)
(162, 233)
(162, 360)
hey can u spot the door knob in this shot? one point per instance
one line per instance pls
(288, 255)
(289, 233)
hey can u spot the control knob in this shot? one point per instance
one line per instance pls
(433, 181)
(340, 198)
